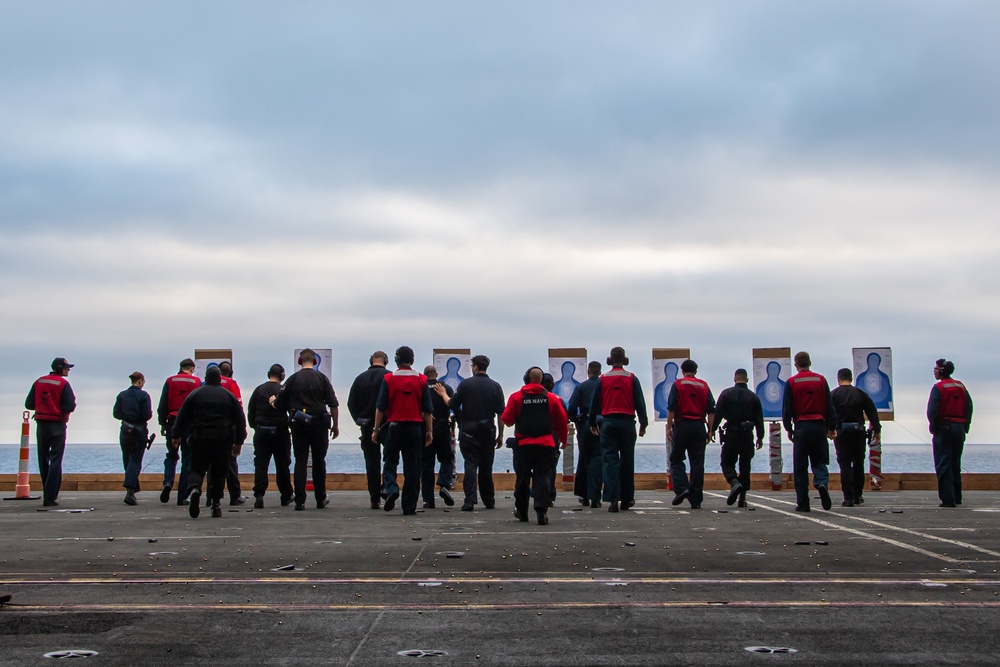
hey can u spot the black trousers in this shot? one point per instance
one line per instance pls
(406, 440)
(233, 478)
(373, 459)
(689, 442)
(51, 438)
(533, 470)
(589, 479)
(440, 450)
(311, 438)
(478, 441)
(272, 442)
(850, 446)
(737, 448)
(211, 457)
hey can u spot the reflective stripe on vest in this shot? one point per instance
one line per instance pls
(406, 389)
(808, 397)
(616, 393)
(692, 398)
(953, 401)
(48, 398)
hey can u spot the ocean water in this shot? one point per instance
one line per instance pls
(347, 458)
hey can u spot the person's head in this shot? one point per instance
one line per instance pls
(137, 378)
(594, 369)
(943, 369)
(276, 372)
(617, 357)
(431, 373)
(378, 358)
(226, 368)
(186, 366)
(60, 366)
(533, 375)
(689, 367)
(548, 381)
(480, 363)
(802, 361)
(740, 376)
(404, 356)
(307, 358)
(845, 376)
(213, 375)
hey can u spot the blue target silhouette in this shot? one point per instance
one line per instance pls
(662, 391)
(451, 376)
(771, 391)
(567, 383)
(875, 383)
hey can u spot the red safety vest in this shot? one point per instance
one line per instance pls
(953, 401)
(48, 398)
(234, 389)
(692, 398)
(178, 388)
(406, 390)
(808, 396)
(616, 393)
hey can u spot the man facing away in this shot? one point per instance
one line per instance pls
(361, 405)
(808, 407)
(540, 425)
(618, 400)
(690, 411)
(852, 405)
(949, 416)
(270, 439)
(478, 403)
(212, 420)
(134, 408)
(52, 399)
(176, 388)
(743, 413)
(308, 397)
(440, 447)
(404, 403)
(589, 480)
(233, 469)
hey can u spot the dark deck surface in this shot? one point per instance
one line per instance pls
(899, 581)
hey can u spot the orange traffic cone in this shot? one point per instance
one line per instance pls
(22, 490)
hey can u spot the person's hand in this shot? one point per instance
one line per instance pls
(594, 430)
(270, 400)
(790, 438)
(175, 443)
(564, 445)
(428, 438)
(760, 442)
(831, 434)
(163, 431)
(237, 449)
(441, 391)
(375, 437)
(642, 431)
(499, 442)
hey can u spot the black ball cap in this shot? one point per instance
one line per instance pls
(60, 363)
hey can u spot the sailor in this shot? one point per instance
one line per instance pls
(233, 470)
(212, 420)
(361, 405)
(478, 403)
(52, 399)
(270, 439)
(588, 482)
(404, 403)
(134, 408)
(618, 400)
(808, 407)
(440, 449)
(851, 406)
(308, 397)
(690, 415)
(175, 389)
(540, 426)
(743, 413)
(949, 414)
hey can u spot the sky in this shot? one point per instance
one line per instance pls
(506, 177)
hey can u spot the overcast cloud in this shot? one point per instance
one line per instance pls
(719, 176)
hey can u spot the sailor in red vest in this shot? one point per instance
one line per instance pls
(404, 402)
(175, 389)
(52, 399)
(540, 427)
(949, 414)
(618, 400)
(233, 474)
(690, 412)
(808, 406)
